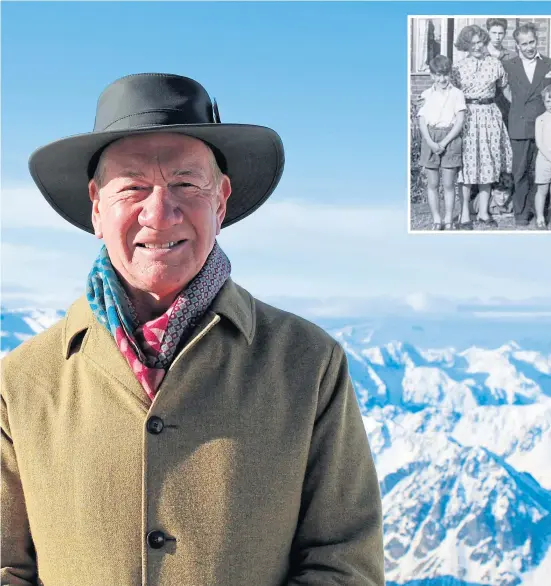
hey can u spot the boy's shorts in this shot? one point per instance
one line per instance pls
(449, 159)
(543, 169)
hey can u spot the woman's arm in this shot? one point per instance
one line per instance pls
(502, 79)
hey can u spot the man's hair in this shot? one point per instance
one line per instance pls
(440, 64)
(529, 27)
(502, 22)
(546, 91)
(99, 173)
(463, 42)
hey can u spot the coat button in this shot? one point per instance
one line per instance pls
(156, 539)
(155, 425)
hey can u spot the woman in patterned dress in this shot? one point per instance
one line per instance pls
(486, 146)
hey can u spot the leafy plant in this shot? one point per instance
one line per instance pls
(418, 180)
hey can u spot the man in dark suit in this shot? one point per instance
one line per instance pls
(528, 74)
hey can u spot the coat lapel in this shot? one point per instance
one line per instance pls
(100, 348)
(542, 68)
(519, 73)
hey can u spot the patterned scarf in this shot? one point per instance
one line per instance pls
(150, 347)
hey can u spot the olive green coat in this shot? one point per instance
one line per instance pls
(260, 476)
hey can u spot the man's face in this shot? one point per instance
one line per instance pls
(158, 210)
(547, 101)
(527, 44)
(497, 34)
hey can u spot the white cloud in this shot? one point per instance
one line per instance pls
(288, 224)
(418, 301)
(332, 257)
(24, 207)
(42, 277)
(306, 250)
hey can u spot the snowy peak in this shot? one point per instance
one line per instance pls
(402, 374)
(468, 514)
(455, 508)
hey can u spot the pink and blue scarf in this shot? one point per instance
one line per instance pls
(149, 348)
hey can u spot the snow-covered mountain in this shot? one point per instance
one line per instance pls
(458, 414)
(462, 444)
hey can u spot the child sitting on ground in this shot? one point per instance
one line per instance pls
(543, 158)
(441, 122)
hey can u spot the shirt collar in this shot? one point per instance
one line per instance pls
(535, 58)
(435, 89)
(232, 302)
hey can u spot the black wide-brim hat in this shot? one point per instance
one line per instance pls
(252, 156)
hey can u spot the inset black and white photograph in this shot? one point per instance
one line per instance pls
(479, 123)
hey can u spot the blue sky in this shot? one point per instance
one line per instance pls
(329, 77)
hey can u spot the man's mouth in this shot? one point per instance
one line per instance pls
(160, 246)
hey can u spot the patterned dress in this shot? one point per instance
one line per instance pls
(487, 149)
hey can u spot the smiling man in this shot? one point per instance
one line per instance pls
(528, 74)
(172, 429)
(163, 200)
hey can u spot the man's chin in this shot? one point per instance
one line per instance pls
(159, 286)
(163, 288)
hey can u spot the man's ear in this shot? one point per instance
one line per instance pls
(224, 192)
(93, 193)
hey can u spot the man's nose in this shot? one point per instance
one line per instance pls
(159, 210)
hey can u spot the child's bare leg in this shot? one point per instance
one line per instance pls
(484, 201)
(448, 182)
(433, 179)
(465, 208)
(539, 203)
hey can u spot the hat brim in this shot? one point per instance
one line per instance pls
(253, 154)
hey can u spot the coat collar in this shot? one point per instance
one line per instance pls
(237, 305)
(78, 320)
(232, 302)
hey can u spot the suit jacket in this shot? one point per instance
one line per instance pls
(256, 469)
(526, 104)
